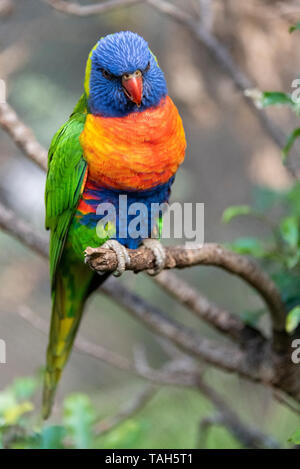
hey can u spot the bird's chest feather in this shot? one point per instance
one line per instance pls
(136, 152)
(136, 156)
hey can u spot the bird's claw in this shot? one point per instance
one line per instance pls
(159, 253)
(122, 256)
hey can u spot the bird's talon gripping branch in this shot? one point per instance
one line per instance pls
(159, 253)
(122, 256)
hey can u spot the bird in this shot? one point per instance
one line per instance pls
(125, 137)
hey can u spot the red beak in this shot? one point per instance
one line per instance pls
(133, 87)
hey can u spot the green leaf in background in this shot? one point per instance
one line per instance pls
(293, 320)
(289, 230)
(235, 211)
(252, 318)
(289, 285)
(292, 260)
(52, 437)
(248, 246)
(24, 388)
(13, 414)
(293, 199)
(275, 98)
(265, 198)
(295, 438)
(126, 435)
(290, 142)
(79, 417)
(294, 27)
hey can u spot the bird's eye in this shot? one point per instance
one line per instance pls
(148, 67)
(106, 74)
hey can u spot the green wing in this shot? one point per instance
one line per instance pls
(66, 174)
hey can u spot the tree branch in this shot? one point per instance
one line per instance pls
(222, 320)
(6, 7)
(127, 412)
(22, 231)
(250, 437)
(22, 136)
(222, 356)
(105, 260)
(169, 376)
(72, 8)
(228, 358)
(225, 357)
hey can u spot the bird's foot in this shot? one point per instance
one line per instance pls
(159, 253)
(122, 256)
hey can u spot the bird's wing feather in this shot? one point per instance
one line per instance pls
(65, 182)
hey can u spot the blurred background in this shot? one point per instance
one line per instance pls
(229, 161)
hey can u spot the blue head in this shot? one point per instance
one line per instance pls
(123, 76)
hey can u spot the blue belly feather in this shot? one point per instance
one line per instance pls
(94, 197)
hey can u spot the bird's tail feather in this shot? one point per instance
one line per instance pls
(69, 296)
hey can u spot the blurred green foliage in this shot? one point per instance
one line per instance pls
(277, 98)
(21, 426)
(280, 251)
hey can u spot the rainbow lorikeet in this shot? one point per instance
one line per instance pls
(125, 137)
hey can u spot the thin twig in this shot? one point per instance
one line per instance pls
(22, 135)
(185, 365)
(21, 230)
(222, 356)
(204, 309)
(6, 7)
(127, 412)
(168, 376)
(72, 8)
(250, 437)
(284, 400)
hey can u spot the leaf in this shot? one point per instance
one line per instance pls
(252, 318)
(289, 285)
(265, 198)
(289, 230)
(52, 437)
(248, 246)
(275, 98)
(126, 435)
(24, 388)
(295, 438)
(236, 211)
(290, 142)
(13, 414)
(292, 259)
(293, 320)
(79, 417)
(295, 27)
(293, 199)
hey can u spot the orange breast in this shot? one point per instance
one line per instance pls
(136, 152)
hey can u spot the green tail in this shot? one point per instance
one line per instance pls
(73, 284)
